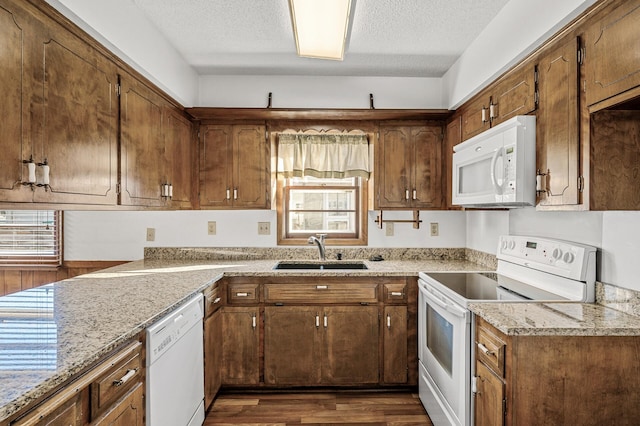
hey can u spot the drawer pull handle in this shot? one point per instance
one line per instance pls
(326, 321)
(485, 350)
(254, 323)
(388, 321)
(216, 300)
(397, 294)
(242, 294)
(125, 378)
(322, 287)
(317, 321)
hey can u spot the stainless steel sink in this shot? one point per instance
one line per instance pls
(301, 265)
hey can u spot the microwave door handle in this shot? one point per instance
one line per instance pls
(494, 180)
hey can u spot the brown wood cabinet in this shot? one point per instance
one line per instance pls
(558, 124)
(241, 345)
(569, 380)
(409, 167)
(60, 112)
(234, 166)
(395, 368)
(178, 159)
(213, 339)
(511, 95)
(613, 62)
(111, 393)
(453, 136)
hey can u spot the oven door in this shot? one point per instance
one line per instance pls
(444, 339)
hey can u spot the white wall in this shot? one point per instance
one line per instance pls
(122, 28)
(320, 92)
(122, 235)
(520, 27)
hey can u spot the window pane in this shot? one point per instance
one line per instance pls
(316, 222)
(29, 237)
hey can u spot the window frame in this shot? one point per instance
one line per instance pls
(360, 237)
(38, 261)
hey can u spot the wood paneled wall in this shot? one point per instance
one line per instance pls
(15, 279)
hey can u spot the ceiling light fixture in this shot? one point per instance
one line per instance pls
(320, 27)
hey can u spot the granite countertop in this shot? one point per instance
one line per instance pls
(75, 322)
(557, 318)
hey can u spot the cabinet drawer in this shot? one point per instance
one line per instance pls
(125, 370)
(490, 350)
(212, 300)
(394, 292)
(243, 293)
(322, 293)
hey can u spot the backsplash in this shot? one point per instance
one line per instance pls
(286, 253)
(619, 298)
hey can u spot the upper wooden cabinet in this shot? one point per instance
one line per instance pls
(60, 112)
(558, 124)
(155, 148)
(613, 57)
(514, 94)
(408, 172)
(234, 166)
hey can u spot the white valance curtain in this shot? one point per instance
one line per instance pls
(323, 154)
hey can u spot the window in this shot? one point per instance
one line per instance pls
(311, 206)
(30, 238)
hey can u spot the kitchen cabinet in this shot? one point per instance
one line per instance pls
(537, 379)
(394, 345)
(321, 345)
(177, 176)
(452, 137)
(613, 63)
(511, 95)
(212, 343)
(409, 167)
(110, 393)
(558, 124)
(60, 113)
(241, 345)
(234, 166)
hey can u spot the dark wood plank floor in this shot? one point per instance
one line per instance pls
(318, 408)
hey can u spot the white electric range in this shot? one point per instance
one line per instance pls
(529, 268)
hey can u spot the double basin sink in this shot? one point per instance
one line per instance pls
(320, 265)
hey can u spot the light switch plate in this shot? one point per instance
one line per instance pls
(151, 234)
(211, 228)
(433, 226)
(389, 229)
(264, 228)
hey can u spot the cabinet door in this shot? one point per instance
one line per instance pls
(613, 62)
(178, 157)
(292, 339)
(513, 95)
(74, 126)
(475, 117)
(558, 124)
(129, 411)
(350, 346)
(453, 136)
(250, 167)
(212, 357)
(394, 333)
(56, 412)
(216, 163)
(15, 28)
(489, 397)
(426, 190)
(141, 144)
(393, 173)
(241, 346)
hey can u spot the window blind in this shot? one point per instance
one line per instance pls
(30, 238)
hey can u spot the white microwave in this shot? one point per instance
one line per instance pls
(497, 168)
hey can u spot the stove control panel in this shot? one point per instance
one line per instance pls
(563, 258)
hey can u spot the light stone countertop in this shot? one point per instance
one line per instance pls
(81, 319)
(557, 319)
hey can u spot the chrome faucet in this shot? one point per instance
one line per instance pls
(320, 243)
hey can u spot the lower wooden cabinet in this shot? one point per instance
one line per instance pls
(559, 380)
(241, 345)
(212, 357)
(395, 367)
(128, 411)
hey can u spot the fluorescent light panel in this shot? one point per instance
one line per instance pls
(320, 27)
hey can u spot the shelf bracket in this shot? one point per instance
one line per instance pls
(416, 220)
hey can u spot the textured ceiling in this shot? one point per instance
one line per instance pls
(403, 38)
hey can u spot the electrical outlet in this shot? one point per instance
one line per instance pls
(151, 234)
(434, 229)
(389, 229)
(264, 228)
(211, 228)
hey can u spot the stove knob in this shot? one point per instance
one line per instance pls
(504, 244)
(556, 254)
(568, 257)
(512, 245)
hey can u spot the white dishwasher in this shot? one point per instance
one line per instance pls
(175, 371)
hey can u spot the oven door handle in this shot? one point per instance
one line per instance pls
(435, 297)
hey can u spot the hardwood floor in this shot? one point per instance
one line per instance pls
(318, 408)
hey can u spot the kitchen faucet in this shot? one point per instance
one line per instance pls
(320, 243)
